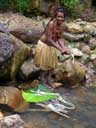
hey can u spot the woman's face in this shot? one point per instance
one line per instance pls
(60, 17)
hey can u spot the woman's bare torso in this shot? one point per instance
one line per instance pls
(55, 33)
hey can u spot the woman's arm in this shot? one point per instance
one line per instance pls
(55, 44)
(61, 43)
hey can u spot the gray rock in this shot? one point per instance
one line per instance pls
(3, 29)
(92, 43)
(29, 70)
(73, 37)
(6, 49)
(13, 52)
(13, 121)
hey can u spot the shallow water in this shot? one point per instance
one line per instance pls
(84, 116)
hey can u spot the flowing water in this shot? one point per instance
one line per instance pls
(84, 115)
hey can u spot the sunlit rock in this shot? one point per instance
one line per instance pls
(12, 121)
(93, 23)
(90, 29)
(74, 28)
(86, 49)
(12, 97)
(76, 52)
(70, 73)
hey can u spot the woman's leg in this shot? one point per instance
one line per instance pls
(49, 77)
(43, 77)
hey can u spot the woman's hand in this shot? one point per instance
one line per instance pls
(65, 51)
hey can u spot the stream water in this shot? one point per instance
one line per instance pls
(84, 116)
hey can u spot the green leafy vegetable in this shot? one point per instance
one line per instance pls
(38, 94)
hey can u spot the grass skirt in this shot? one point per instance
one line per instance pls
(45, 56)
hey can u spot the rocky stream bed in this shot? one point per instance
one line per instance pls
(84, 115)
(17, 46)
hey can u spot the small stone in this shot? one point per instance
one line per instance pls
(78, 126)
(12, 121)
(1, 115)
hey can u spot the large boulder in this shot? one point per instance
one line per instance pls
(74, 28)
(26, 29)
(7, 49)
(13, 52)
(29, 70)
(29, 30)
(70, 73)
(80, 26)
(12, 97)
(28, 36)
(73, 37)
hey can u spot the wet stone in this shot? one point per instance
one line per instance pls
(78, 126)
(66, 126)
(6, 50)
(53, 116)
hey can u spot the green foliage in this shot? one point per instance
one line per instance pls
(70, 4)
(35, 12)
(23, 6)
(8, 4)
(4, 4)
(73, 6)
(78, 10)
(38, 94)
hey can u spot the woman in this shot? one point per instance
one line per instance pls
(50, 41)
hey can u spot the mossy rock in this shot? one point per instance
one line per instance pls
(10, 67)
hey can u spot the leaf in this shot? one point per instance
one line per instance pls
(38, 95)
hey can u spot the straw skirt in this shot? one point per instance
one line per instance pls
(45, 56)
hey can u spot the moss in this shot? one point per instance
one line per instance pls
(18, 59)
(5, 72)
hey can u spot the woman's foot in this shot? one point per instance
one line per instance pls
(49, 84)
(45, 79)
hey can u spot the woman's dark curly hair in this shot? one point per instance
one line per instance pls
(60, 9)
